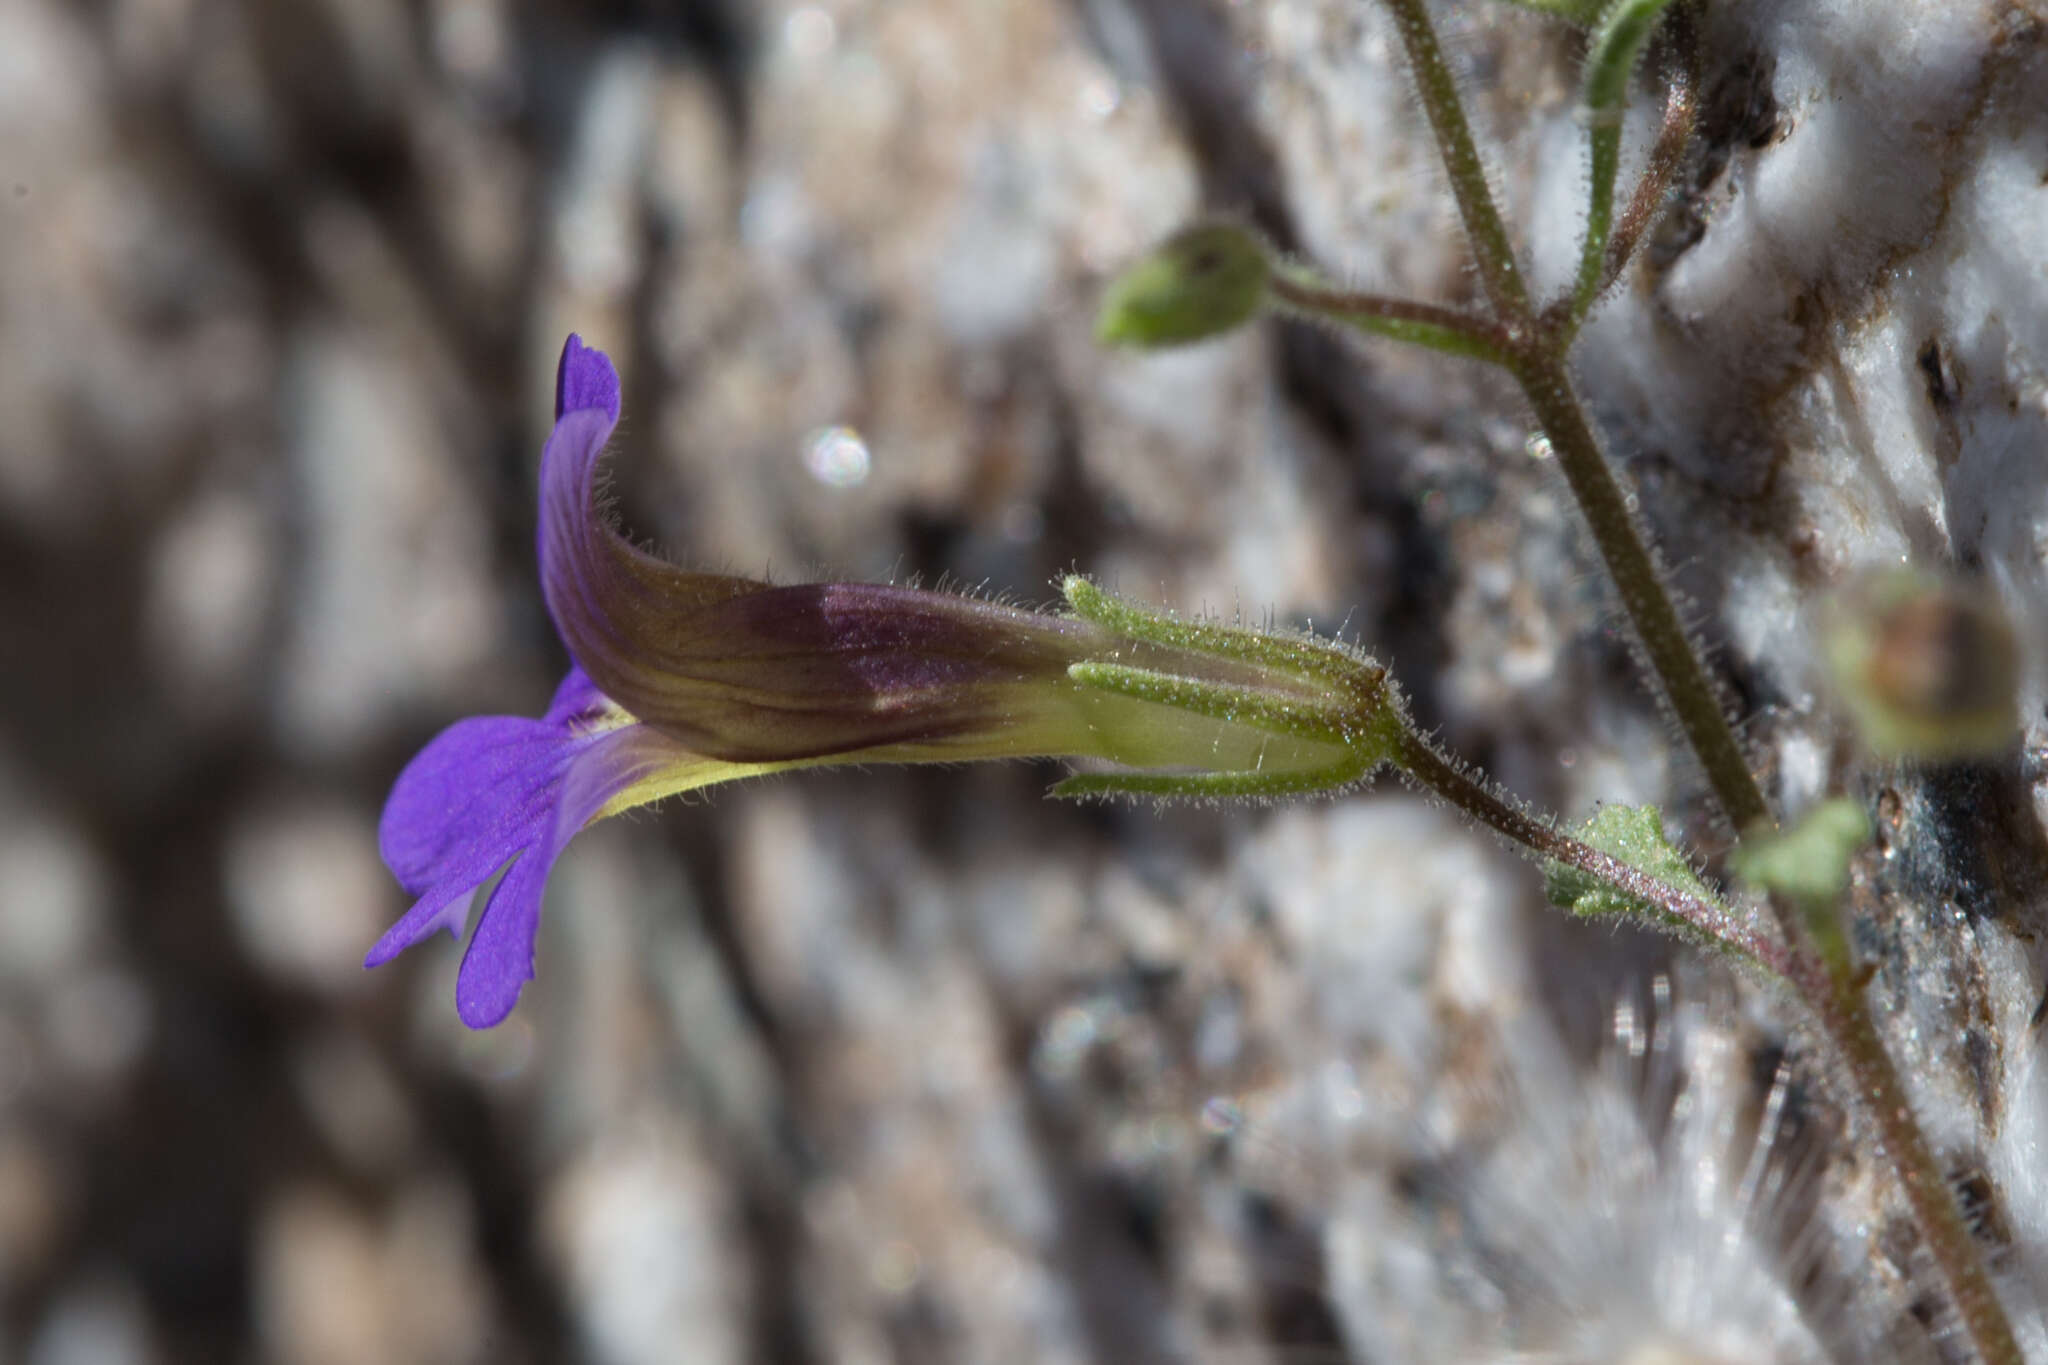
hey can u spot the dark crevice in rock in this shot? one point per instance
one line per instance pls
(1286, 1257)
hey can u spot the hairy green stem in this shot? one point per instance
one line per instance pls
(1833, 988)
(1491, 247)
(1604, 144)
(1698, 918)
(1681, 114)
(1298, 290)
(1547, 384)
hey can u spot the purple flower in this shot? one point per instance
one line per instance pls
(729, 678)
(497, 790)
(494, 790)
(685, 679)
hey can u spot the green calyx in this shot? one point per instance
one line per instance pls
(1199, 283)
(1299, 714)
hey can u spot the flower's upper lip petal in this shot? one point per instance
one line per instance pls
(500, 957)
(742, 671)
(568, 541)
(584, 380)
(480, 791)
(589, 573)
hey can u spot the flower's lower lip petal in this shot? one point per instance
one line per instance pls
(444, 907)
(500, 957)
(478, 787)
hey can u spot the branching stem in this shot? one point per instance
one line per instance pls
(1537, 360)
(1826, 981)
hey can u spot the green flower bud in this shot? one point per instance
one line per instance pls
(1624, 29)
(1199, 283)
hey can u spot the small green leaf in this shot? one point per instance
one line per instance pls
(1634, 835)
(1199, 283)
(1808, 862)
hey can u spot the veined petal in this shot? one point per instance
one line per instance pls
(819, 670)
(500, 957)
(479, 792)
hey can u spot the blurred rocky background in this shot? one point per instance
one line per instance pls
(913, 1066)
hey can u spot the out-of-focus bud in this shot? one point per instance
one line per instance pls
(1927, 665)
(1199, 283)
